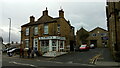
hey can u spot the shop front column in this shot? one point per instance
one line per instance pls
(50, 45)
(57, 45)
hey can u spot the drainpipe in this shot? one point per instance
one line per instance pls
(116, 43)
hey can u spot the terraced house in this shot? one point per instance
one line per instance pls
(47, 33)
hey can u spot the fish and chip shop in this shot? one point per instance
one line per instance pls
(52, 43)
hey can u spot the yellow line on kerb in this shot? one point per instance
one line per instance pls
(94, 59)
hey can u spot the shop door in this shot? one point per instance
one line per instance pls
(44, 46)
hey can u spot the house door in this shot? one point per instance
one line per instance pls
(35, 44)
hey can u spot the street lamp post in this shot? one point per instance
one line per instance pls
(9, 29)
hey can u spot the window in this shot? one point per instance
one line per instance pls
(61, 44)
(27, 31)
(35, 30)
(44, 42)
(103, 34)
(54, 45)
(93, 34)
(58, 28)
(27, 43)
(45, 28)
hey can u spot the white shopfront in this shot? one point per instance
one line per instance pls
(52, 43)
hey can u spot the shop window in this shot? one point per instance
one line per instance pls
(27, 31)
(53, 42)
(35, 30)
(61, 44)
(45, 28)
(45, 43)
(53, 48)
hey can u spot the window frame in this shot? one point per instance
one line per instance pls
(27, 31)
(36, 30)
(46, 29)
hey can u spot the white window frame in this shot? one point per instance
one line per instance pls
(36, 30)
(58, 28)
(27, 31)
(35, 40)
(45, 28)
(26, 43)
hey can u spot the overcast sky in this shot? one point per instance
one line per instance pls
(81, 13)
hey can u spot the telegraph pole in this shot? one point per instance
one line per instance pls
(9, 29)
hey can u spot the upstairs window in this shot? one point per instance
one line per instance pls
(36, 30)
(27, 31)
(103, 34)
(93, 34)
(58, 28)
(45, 28)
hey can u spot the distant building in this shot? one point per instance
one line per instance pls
(98, 37)
(81, 36)
(48, 33)
(113, 23)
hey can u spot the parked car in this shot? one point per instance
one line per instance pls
(92, 46)
(84, 47)
(13, 51)
(7, 49)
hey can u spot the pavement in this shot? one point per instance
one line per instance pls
(102, 58)
(106, 59)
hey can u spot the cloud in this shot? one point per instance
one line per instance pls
(86, 14)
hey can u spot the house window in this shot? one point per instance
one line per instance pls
(103, 34)
(27, 31)
(93, 34)
(35, 30)
(58, 28)
(27, 43)
(45, 28)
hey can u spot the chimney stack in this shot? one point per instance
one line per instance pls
(61, 13)
(32, 19)
(45, 12)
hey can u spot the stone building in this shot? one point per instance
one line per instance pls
(81, 36)
(98, 37)
(113, 23)
(48, 33)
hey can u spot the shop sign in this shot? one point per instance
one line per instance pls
(51, 37)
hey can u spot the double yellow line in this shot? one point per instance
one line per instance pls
(94, 59)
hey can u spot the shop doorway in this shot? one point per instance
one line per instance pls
(44, 46)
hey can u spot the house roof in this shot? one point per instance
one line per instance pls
(98, 28)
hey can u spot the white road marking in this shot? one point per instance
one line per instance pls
(22, 64)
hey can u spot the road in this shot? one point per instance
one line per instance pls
(70, 59)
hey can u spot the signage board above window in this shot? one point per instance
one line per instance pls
(52, 37)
